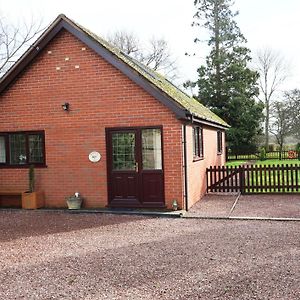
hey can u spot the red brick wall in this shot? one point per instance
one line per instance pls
(100, 96)
(197, 169)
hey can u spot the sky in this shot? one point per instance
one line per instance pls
(265, 23)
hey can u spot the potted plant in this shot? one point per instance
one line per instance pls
(32, 199)
(74, 201)
(298, 150)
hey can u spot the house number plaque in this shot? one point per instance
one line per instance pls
(94, 156)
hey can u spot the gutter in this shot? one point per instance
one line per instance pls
(209, 123)
(192, 118)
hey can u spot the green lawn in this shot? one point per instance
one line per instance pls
(266, 162)
(234, 163)
(269, 178)
(278, 162)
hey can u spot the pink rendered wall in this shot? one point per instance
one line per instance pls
(196, 170)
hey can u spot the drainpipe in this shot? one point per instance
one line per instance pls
(190, 117)
(185, 168)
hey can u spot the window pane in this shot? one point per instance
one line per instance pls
(200, 142)
(151, 149)
(17, 146)
(219, 135)
(2, 150)
(36, 153)
(123, 151)
(196, 141)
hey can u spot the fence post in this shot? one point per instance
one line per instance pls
(226, 153)
(242, 179)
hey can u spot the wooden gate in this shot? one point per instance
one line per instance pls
(254, 179)
(223, 179)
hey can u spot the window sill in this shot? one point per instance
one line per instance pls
(195, 159)
(22, 166)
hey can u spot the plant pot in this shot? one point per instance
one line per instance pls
(33, 200)
(74, 202)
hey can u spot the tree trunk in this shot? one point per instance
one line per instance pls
(267, 105)
(217, 48)
(280, 151)
(267, 127)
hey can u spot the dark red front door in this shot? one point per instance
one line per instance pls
(135, 168)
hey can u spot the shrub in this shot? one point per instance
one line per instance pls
(262, 154)
(31, 178)
(298, 150)
(243, 149)
(272, 147)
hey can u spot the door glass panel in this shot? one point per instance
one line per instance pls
(17, 146)
(36, 153)
(123, 145)
(151, 149)
(2, 150)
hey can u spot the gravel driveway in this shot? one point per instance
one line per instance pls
(247, 206)
(50, 255)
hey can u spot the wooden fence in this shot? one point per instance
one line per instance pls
(289, 154)
(254, 179)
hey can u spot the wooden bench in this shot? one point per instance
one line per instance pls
(12, 192)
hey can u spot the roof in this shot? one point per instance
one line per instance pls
(184, 106)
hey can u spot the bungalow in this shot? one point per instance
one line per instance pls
(93, 120)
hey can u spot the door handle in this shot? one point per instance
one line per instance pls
(136, 166)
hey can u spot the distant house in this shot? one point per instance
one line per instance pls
(95, 121)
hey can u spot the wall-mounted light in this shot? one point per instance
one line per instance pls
(65, 106)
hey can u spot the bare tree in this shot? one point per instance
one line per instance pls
(293, 99)
(281, 122)
(158, 56)
(14, 39)
(273, 72)
(128, 42)
(154, 54)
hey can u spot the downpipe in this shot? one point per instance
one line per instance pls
(185, 168)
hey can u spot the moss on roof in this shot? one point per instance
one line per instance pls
(193, 106)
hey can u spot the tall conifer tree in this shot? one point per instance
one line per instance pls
(225, 83)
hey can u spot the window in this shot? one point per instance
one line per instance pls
(2, 150)
(22, 148)
(151, 149)
(123, 151)
(219, 142)
(197, 142)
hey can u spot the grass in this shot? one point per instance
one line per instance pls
(278, 178)
(271, 178)
(266, 162)
(278, 162)
(234, 163)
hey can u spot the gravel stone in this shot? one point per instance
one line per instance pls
(51, 255)
(256, 205)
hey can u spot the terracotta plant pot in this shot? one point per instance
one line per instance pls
(74, 202)
(33, 200)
